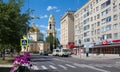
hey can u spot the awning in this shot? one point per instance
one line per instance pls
(103, 46)
(116, 40)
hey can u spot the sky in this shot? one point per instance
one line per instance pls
(43, 8)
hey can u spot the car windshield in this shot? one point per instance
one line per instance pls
(57, 50)
(66, 50)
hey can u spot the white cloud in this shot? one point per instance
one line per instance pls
(51, 8)
(44, 16)
(58, 10)
(43, 31)
(58, 29)
(43, 26)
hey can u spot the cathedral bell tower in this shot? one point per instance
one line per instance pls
(51, 26)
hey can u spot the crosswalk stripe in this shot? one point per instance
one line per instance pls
(79, 65)
(52, 67)
(63, 67)
(34, 67)
(70, 65)
(44, 67)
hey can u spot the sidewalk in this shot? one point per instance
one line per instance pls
(96, 57)
(5, 65)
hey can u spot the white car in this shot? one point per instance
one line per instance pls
(56, 52)
(64, 52)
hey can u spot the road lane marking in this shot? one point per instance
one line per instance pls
(44, 67)
(65, 68)
(34, 67)
(70, 65)
(79, 65)
(98, 69)
(51, 63)
(52, 67)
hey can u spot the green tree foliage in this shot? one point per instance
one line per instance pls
(13, 23)
(54, 42)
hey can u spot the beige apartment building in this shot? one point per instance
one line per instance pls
(97, 20)
(67, 28)
(97, 26)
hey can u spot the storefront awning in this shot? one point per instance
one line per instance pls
(103, 46)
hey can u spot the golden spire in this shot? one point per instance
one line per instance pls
(34, 28)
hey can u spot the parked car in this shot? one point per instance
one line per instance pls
(55, 52)
(64, 52)
(43, 53)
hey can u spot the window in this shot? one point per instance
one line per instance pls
(98, 31)
(97, 8)
(105, 4)
(105, 12)
(98, 23)
(98, 16)
(115, 8)
(103, 29)
(94, 17)
(119, 5)
(109, 36)
(115, 26)
(115, 35)
(86, 34)
(108, 19)
(86, 27)
(104, 37)
(87, 40)
(105, 20)
(91, 18)
(92, 32)
(108, 27)
(115, 17)
(97, 1)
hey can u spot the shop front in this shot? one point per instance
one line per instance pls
(106, 47)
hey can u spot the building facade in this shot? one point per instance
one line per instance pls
(51, 26)
(34, 34)
(98, 22)
(67, 28)
(35, 41)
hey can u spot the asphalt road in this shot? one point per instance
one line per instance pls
(69, 64)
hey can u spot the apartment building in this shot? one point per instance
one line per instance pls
(67, 28)
(97, 22)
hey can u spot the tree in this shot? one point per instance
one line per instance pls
(54, 42)
(13, 24)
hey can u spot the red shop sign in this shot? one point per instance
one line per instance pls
(104, 42)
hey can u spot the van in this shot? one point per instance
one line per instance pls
(55, 52)
(64, 52)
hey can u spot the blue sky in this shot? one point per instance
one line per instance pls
(43, 8)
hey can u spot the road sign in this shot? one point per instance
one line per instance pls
(24, 42)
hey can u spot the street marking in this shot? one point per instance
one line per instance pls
(70, 65)
(63, 67)
(79, 65)
(34, 67)
(51, 63)
(44, 67)
(52, 67)
(91, 67)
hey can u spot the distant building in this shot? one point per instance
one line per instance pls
(34, 34)
(51, 26)
(67, 28)
(36, 41)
